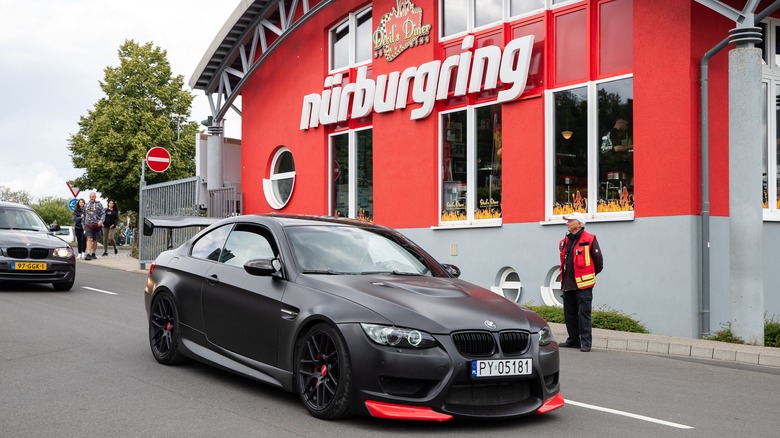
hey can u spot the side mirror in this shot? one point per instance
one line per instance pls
(54, 227)
(262, 267)
(452, 270)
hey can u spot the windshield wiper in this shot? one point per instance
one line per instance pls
(326, 272)
(409, 274)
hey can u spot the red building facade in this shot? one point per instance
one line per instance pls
(473, 126)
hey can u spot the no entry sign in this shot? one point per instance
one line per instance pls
(158, 159)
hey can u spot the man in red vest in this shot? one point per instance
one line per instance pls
(581, 260)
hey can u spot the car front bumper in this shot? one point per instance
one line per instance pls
(439, 378)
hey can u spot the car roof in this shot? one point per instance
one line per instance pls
(283, 220)
(6, 204)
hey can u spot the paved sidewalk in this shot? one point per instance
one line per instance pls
(602, 339)
(122, 261)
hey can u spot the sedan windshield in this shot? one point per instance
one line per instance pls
(18, 219)
(348, 250)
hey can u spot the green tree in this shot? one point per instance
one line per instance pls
(54, 211)
(19, 197)
(144, 106)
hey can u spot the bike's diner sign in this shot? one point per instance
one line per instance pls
(427, 83)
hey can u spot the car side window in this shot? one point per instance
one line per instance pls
(248, 242)
(209, 246)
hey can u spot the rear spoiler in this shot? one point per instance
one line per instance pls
(173, 222)
(170, 223)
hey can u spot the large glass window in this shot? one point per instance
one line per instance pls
(570, 150)
(770, 102)
(461, 16)
(616, 147)
(593, 148)
(519, 7)
(351, 41)
(352, 191)
(471, 164)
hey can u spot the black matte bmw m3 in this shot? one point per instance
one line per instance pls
(352, 316)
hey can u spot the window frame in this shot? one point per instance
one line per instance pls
(269, 183)
(471, 177)
(352, 62)
(770, 76)
(352, 165)
(506, 15)
(593, 148)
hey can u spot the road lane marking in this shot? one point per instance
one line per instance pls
(100, 290)
(628, 414)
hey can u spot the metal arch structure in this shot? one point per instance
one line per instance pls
(252, 32)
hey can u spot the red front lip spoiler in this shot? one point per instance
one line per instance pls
(551, 404)
(402, 412)
(421, 413)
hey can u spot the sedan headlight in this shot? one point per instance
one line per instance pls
(399, 337)
(63, 252)
(545, 336)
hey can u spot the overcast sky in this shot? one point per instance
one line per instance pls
(52, 55)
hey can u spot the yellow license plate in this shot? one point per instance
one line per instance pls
(29, 266)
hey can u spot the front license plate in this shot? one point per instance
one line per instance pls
(500, 368)
(28, 266)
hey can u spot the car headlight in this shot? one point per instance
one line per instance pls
(63, 252)
(399, 337)
(545, 336)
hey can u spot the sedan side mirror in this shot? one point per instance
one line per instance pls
(262, 267)
(452, 270)
(54, 227)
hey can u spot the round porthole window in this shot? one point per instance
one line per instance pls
(278, 187)
(509, 285)
(551, 293)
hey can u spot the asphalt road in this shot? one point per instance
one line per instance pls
(77, 364)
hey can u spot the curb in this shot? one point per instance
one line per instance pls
(675, 346)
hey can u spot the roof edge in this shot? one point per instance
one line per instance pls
(218, 39)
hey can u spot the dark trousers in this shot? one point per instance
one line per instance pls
(81, 241)
(576, 311)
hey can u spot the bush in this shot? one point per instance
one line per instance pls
(603, 317)
(725, 335)
(771, 335)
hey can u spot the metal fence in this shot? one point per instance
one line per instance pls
(224, 202)
(173, 198)
(179, 198)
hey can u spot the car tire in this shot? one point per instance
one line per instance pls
(324, 373)
(63, 287)
(164, 330)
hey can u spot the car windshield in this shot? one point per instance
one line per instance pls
(351, 250)
(19, 219)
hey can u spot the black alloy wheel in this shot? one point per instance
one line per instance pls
(164, 334)
(324, 373)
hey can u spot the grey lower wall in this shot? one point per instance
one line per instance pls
(651, 265)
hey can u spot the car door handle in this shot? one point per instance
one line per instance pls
(213, 279)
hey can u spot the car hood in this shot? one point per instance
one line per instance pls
(10, 238)
(436, 305)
